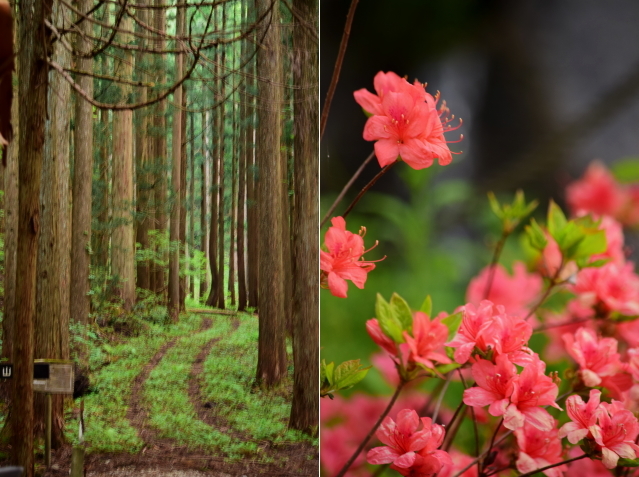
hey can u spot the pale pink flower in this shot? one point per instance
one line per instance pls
(598, 360)
(514, 292)
(407, 448)
(494, 385)
(615, 433)
(343, 261)
(405, 122)
(378, 336)
(596, 192)
(539, 449)
(460, 461)
(582, 416)
(428, 337)
(532, 390)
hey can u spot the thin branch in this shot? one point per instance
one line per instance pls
(367, 187)
(338, 66)
(493, 263)
(527, 474)
(347, 187)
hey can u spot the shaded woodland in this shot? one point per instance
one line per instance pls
(164, 157)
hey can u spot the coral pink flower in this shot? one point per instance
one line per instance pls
(378, 336)
(598, 360)
(428, 337)
(539, 449)
(596, 192)
(615, 433)
(585, 467)
(489, 327)
(494, 385)
(582, 415)
(531, 390)
(343, 261)
(407, 448)
(613, 287)
(515, 293)
(405, 122)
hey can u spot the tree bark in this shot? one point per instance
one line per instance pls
(221, 296)
(192, 204)
(51, 323)
(80, 301)
(233, 226)
(271, 365)
(142, 157)
(176, 176)
(305, 219)
(183, 186)
(35, 48)
(241, 193)
(206, 188)
(215, 181)
(122, 243)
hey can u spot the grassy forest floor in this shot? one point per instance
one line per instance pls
(177, 401)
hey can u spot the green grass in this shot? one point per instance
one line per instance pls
(229, 372)
(107, 428)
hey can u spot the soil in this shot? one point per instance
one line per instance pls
(163, 457)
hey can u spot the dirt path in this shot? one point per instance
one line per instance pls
(163, 457)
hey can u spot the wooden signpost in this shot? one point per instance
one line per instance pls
(51, 376)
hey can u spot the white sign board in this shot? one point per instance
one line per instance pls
(60, 379)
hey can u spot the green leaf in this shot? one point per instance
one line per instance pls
(446, 368)
(623, 462)
(388, 322)
(598, 263)
(349, 373)
(329, 369)
(536, 235)
(427, 306)
(452, 322)
(494, 205)
(402, 311)
(556, 220)
(626, 170)
(322, 372)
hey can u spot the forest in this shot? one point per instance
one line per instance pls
(159, 236)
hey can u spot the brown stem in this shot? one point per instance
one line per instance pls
(558, 325)
(347, 187)
(492, 443)
(527, 474)
(368, 186)
(551, 285)
(338, 66)
(452, 431)
(493, 263)
(480, 456)
(362, 444)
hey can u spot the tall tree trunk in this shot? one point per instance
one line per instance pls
(192, 203)
(142, 157)
(305, 219)
(100, 233)
(271, 364)
(161, 155)
(285, 147)
(251, 189)
(123, 245)
(206, 190)
(35, 48)
(215, 185)
(176, 175)
(241, 193)
(51, 325)
(183, 187)
(80, 301)
(231, 287)
(221, 138)
(11, 221)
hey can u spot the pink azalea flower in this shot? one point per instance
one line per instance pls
(539, 449)
(343, 261)
(582, 415)
(488, 327)
(378, 336)
(615, 433)
(614, 240)
(596, 192)
(494, 385)
(598, 360)
(428, 337)
(585, 467)
(515, 293)
(613, 287)
(532, 390)
(405, 122)
(410, 451)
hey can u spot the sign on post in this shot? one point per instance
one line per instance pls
(6, 370)
(53, 376)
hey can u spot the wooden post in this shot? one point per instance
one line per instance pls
(47, 436)
(77, 462)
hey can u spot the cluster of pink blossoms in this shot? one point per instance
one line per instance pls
(609, 426)
(344, 258)
(405, 122)
(598, 192)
